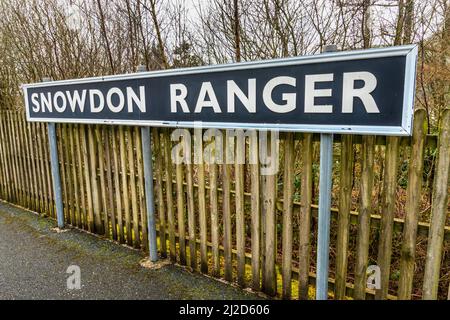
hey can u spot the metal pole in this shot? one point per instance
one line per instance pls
(150, 201)
(55, 170)
(323, 241)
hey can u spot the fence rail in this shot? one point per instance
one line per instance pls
(390, 197)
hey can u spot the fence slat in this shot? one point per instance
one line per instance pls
(256, 211)
(159, 189)
(101, 168)
(239, 201)
(214, 206)
(202, 202)
(345, 201)
(226, 203)
(362, 243)
(413, 197)
(108, 132)
(288, 194)
(439, 212)
(81, 176)
(141, 188)
(131, 143)
(181, 211)
(76, 196)
(117, 184)
(169, 195)
(387, 215)
(305, 217)
(269, 194)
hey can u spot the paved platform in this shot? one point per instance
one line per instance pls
(34, 260)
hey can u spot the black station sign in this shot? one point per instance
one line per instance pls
(364, 91)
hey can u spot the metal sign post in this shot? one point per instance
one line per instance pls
(54, 161)
(323, 237)
(148, 174)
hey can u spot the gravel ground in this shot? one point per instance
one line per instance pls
(34, 259)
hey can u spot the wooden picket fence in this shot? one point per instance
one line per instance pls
(231, 222)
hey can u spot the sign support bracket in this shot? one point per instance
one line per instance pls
(149, 194)
(323, 237)
(54, 161)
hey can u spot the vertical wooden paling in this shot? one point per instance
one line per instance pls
(256, 210)
(365, 209)
(141, 188)
(413, 197)
(181, 206)
(76, 192)
(93, 144)
(125, 190)
(387, 215)
(68, 171)
(438, 212)
(109, 132)
(169, 195)
(99, 137)
(202, 201)
(226, 202)
(47, 170)
(87, 178)
(214, 207)
(63, 171)
(117, 185)
(239, 199)
(269, 207)
(160, 192)
(131, 143)
(191, 217)
(81, 176)
(345, 202)
(288, 194)
(305, 216)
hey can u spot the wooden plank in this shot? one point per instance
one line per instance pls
(4, 158)
(76, 193)
(181, 209)
(68, 173)
(13, 161)
(226, 203)
(134, 199)
(40, 168)
(240, 209)
(363, 238)
(109, 133)
(413, 191)
(269, 207)
(83, 223)
(439, 212)
(387, 215)
(47, 171)
(141, 188)
(117, 184)
(256, 210)
(305, 217)
(62, 169)
(345, 202)
(160, 192)
(214, 206)
(87, 179)
(24, 152)
(125, 190)
(100, 140)
(93, 163)
(169, 195)
(201, 201)
(288, 198)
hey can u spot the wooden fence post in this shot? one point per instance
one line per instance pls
(414, 189)
(438, 212)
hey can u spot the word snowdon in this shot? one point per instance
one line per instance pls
(367, 91)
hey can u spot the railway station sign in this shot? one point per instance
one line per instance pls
(360, 92)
